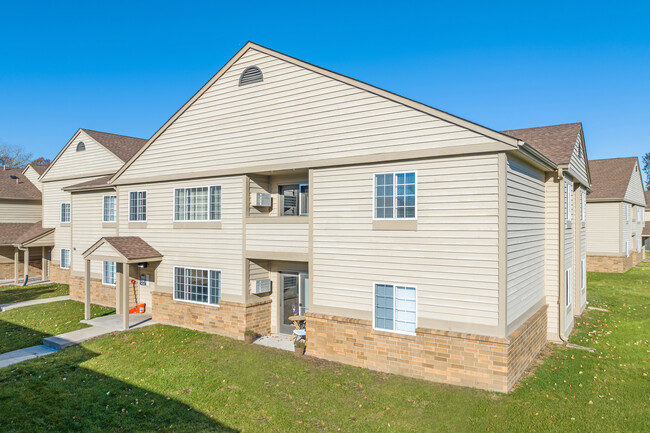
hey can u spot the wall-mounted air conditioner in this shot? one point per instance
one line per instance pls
(261, 199)
(259, 287)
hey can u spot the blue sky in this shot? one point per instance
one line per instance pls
(126, 67)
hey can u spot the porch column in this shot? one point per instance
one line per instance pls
(26, 262)
(119, 282)
(16, 261)
(125, 296)
(42, 263)
(87, 292)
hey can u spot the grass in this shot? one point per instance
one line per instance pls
(164, 378)
(27, 326)
(10, 294)
(644, 264)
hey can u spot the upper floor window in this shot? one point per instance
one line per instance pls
(202, 203)
(81, 146)
(626, 210)
(110, 205)
(568, 199)
(294, 199)
(395, 308)
(395, 195)
(138, 206)
(583, 206)
(65, 212)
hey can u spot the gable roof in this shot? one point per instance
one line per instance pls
(423, 108)
(556, 141)
(647, 197)
(18, 233)
(14, 185)
(610, 177)
(39, 168)
(97, 183)
(130, 247)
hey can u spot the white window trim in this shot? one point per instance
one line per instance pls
(60, 257)
(69, 212)
(146, 212)
(300, 210)
(627, 248)
(374, 198)
(568, 199)
(104, 209)
(583, 205)
(626, 210)
(568, 289)
(374, 297)
(207, 304)
(191, 221)
(583, 268)
(104, 274)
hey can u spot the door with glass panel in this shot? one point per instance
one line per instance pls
(294, 293)
(294, 200)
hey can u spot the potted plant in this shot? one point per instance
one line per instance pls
(299, 348)
(249, 336)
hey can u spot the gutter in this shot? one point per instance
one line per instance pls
(24, 250)
(530, 151)
(560, 299)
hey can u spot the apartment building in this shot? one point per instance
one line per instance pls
(22, 254)
(616, 209)
(645, 234)
(566, 195)
(414, 241)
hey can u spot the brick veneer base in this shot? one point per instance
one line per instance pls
(613, 263)
(450, 357)
(7, 269)
(58, 275)
(100, 294)
(230, 319)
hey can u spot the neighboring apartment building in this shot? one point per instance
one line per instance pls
(22, 252)
(616, 210)
(646, 225)
(89, 156)
(414, 241)
(566, 194)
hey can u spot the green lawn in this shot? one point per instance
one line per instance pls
(163, 378)
(9, 294)
(27, 326)
(644, 264)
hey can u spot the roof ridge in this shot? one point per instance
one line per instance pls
(112, 133)
(543, 126)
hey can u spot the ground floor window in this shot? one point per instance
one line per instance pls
(395, 308)
(108, 274)
(583, 269)
(65, 258)
(197, 285)
(568, 287)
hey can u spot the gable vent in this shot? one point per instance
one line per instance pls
(81, 146)
(251, 75)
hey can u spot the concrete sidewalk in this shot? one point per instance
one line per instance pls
(11, 306)
(20, 355)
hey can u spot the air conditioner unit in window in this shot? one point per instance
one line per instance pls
(259, 287)
(261, 199)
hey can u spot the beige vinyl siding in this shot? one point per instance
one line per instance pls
(203, 247)
(569, 257)
(552, 225)
(604, 228)
(294, 116)
(291, 238)
(107, 251)
(94, 161)
(33, 176)
(87, 229)
(577, 163)
(258, 184)
(525, 238)
(583, 256)
(635, 192)
(452, 258)
(20, 211)
(626, 227)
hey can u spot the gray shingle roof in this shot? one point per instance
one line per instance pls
(123, 146)
(610, 177)
(15, 185)
(556, 141)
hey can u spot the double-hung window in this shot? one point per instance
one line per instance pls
(108, 273)
(583, 275)
(137, 205)
(200, 203)
(568, 287)
(294, 199)
(627, 248)
(395, 195)
(197, 285)
(65, 212)
(110, 206)
(568, 199)
(626, 210)
(395, 308)
(583, 206)
(64, 258)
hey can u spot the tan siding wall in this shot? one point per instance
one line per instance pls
(452, 258)
(604, 228)
(209, 248)
(626, 227)
(577, 165)
(33, 176)
(553, 222)
(278, 237)
(95, 160)
(569, 257)
(20, 211)
(525, 238)
(87, 228)
(294, 115)
(635, 191)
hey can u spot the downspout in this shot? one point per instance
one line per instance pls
(560, 298)
(24, 250)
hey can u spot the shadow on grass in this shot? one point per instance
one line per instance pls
(13, 294)
(56, 393)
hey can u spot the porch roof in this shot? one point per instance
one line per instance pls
(26, 234)
(123, 249)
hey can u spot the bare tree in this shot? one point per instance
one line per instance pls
(646, 170)
(13, 155)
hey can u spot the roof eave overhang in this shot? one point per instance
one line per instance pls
(89, 188)
(37, 238)
(536, 157)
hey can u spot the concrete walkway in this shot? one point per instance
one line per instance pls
(20, 355)
(7, 307)
(276, 341)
